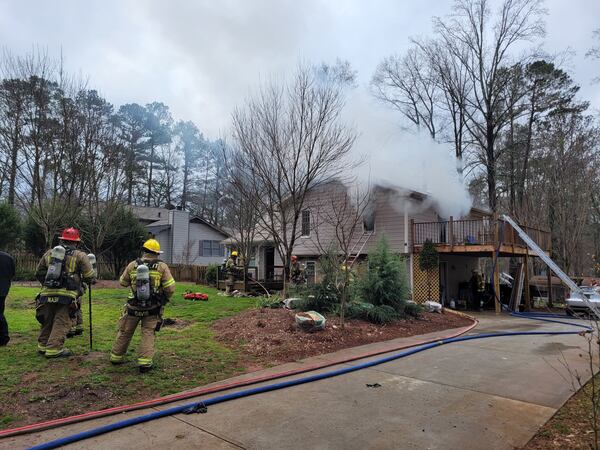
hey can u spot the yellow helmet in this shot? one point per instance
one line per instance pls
(234, 253)
(152, 245)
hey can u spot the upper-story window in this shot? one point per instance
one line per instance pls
(369, 223)
(305, 229)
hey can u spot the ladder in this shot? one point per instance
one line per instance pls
(358, 248)
(552, 265)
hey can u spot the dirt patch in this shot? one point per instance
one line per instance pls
(270, 336)
(176, 324)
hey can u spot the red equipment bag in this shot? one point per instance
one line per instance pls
(195, 296)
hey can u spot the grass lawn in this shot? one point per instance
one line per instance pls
(33, 388)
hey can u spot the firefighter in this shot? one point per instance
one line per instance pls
(77, 315)
(477, 289)
(152, 285)
(231, 268)
(61, 272)
(297, 272)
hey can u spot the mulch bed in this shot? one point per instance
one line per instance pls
(270, 336)
(570, 427)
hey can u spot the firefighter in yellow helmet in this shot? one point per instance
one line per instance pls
(231, 268)
(152, 285)
(61, 272)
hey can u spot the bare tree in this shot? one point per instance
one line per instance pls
(460, 78)
(290, 137)
(340, 225)
(241, 216)
(410, 85)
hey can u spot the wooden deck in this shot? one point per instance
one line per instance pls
(476, 237)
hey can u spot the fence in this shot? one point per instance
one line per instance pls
(26, 265)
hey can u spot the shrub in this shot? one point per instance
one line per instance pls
(24, 275)
(386, 280)
(211, 274)
(10, 224)
(382, 314)
(274, 302)
(322, 297)
(412, 309)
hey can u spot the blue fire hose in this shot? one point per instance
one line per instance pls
(201, 405)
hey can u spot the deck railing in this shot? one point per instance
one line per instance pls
(476, 232)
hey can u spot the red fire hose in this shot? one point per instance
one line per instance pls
(209, 390)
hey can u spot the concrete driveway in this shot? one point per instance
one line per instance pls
(483, 394)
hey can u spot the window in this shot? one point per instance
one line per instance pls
(369, 223)
(310, 272)
(306, 223)
(212, 248)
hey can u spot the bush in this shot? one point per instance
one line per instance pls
(274, 302)
(382, 314)
(10, 224)
(386, 280)
(211, 274)
(24, 275)
(412, 310)
(322, 297)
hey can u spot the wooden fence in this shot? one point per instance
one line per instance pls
(26, 265)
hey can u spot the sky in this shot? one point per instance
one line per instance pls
(202, 58)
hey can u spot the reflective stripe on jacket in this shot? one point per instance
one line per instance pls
(161, 280)
(76, 263)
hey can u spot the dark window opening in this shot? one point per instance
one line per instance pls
(369, 223)
(306, 222)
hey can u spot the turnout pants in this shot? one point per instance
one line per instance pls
(57, 324)
(127, 326)
(77, 319)
(229, 284)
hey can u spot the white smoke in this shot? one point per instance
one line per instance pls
(397, 157)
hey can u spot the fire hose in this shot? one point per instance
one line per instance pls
(201, 405)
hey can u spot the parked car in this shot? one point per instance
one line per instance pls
(577, 305)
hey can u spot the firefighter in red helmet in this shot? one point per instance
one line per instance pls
(61, 271)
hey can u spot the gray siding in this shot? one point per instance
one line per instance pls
(388, 210)
(200, 232)
(164, 239)
(179, 221)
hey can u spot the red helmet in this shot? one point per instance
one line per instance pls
(294, 258)
(70, 234)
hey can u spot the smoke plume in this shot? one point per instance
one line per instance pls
(402, 159)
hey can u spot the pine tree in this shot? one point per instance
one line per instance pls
(386, 282)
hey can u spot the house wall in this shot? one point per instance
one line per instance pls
(164, 239)
(389, 213)
(179, 221)
(199, 232)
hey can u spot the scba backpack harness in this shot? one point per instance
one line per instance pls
(59, 284)
(146, 297)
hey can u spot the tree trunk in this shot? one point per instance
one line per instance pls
(491, 171)
(149, 195)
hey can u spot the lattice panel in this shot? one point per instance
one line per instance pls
(420, 282)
